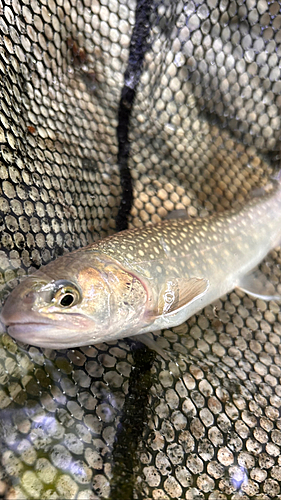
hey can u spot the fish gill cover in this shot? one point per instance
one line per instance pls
(180, 100)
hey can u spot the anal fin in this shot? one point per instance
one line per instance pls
(256, 284)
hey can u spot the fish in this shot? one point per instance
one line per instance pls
(145, 279)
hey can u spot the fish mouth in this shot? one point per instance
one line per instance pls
(22, 331)
(50, 334)
(43, 335)
(26, 327)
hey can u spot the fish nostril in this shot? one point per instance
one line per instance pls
(29, 298)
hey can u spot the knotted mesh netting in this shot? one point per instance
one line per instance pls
(114, 113)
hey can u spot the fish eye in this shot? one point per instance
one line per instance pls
(67, 300)
(66, 294)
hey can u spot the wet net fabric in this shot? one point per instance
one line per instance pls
(184, 98)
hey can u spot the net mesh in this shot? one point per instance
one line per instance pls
(184, 98)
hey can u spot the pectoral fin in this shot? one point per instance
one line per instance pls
(178, 293)
(151, 343)
(257, 285)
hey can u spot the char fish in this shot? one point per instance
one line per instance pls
(144, 279)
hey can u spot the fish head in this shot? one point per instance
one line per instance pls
(73, 302)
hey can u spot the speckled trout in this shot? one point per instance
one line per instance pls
(144, 279)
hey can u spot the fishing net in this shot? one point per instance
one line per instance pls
(115, 113)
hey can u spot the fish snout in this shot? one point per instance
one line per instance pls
(16, 306)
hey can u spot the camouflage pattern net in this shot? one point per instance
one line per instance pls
(203, 132)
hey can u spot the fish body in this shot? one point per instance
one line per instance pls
(144, 279)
